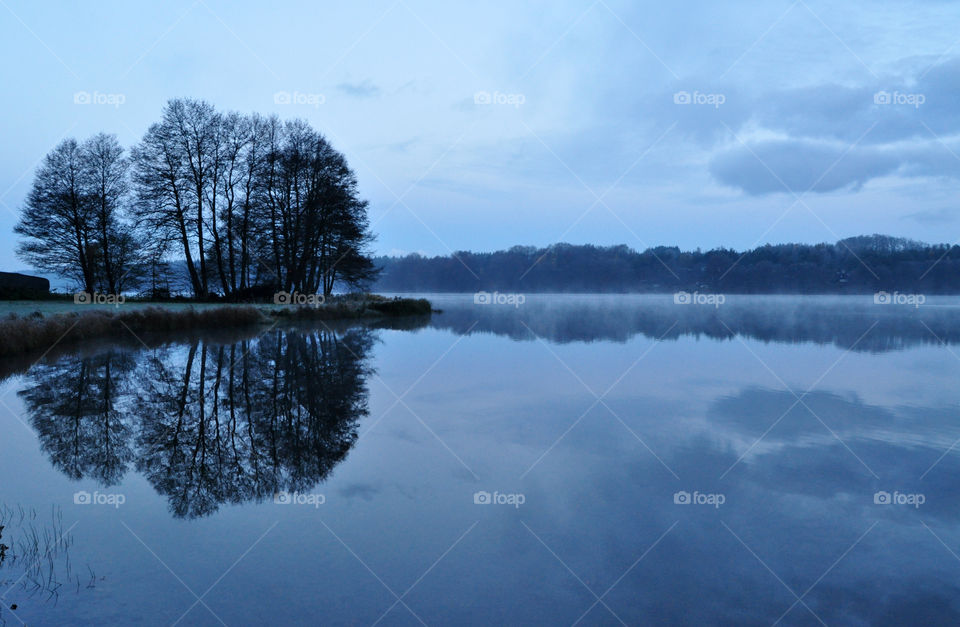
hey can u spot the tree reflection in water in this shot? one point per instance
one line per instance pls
(206, 423)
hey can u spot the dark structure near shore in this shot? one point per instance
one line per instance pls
(13, 286)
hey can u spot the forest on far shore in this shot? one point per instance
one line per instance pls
(860, 264)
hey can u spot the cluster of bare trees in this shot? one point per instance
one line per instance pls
(74, 219)
(249, 204)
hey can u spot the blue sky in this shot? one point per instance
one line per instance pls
(483, 125)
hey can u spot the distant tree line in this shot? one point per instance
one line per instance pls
(858, 264)
(247, 204)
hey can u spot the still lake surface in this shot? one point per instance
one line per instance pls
(601, 459)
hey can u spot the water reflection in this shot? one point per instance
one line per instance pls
(73, 406)
(206, 423)
(231, 420)
(840, 321)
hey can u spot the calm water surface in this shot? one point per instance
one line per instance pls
(600, 459)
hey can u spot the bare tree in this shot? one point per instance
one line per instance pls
(195, 125)
(261, 203)
(58, 218)
(163, 195)
(107, 185)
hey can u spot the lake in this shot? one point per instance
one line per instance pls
(544, 460)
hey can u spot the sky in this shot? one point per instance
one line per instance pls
(479, 126)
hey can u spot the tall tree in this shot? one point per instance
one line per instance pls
(163, 195)
(319, 231)
(58, 217)
(195, 125)
(107, 186)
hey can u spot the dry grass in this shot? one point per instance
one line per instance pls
(402, 307)
(362, 306)
(29, 334)
(35, 333)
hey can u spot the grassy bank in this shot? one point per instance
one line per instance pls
(37, 331)
(370, 307)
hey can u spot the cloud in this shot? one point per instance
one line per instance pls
(359, 490)
(402, 146)
(363, 90)
(943, 215)
(800, 166)
(832, 136)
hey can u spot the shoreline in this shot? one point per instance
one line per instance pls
(35, 331)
